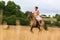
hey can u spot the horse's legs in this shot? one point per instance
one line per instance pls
(38, 25)
(39, 28)
(31, 29)
(45, 27)
(44, 24)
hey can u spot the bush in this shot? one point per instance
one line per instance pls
(58, 17)
(48, 23)
(10, 20)
(57, 23)
(24, 21)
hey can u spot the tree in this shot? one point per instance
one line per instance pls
(26, 13)
(44, 16)
(11, 9)
(57, 16)
(2, 5)
(49, 16)
(12, 12)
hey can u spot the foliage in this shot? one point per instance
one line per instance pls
(2, 4)
(57, 23)
(26, 13)
(11, 9)
(12, 12)
(48, 22)
(10, 20)
(24, 21)
(57, 17)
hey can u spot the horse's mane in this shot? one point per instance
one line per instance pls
(31, 14)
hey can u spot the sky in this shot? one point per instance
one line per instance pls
(48, 7)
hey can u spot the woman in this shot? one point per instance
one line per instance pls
(36, 14)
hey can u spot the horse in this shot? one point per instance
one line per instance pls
(34, 23)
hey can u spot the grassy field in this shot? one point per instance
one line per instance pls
(23, 33)
(50, 19)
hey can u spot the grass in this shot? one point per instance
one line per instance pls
(23, 33)
(50, 19)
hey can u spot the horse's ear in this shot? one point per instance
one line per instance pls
(28, 15)
(30, 12)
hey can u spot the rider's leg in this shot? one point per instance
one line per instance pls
(39, 22)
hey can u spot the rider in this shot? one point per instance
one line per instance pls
(37, 14)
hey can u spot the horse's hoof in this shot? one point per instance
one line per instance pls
(32, 31)
(46, 29)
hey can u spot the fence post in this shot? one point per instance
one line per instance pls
(1, 16)
(17, 22)
(5, 26)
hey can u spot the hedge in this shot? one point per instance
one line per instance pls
(11, 20)
(24, 21)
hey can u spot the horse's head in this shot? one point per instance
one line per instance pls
(30, 15)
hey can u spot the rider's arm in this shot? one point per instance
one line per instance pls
(38, 13)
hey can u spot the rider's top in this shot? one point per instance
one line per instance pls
(36, 12)
(37, 16)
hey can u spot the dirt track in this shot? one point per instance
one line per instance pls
(23, 33)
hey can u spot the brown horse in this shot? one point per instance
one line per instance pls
(34, 22)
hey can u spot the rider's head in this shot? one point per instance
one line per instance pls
(36, 8)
